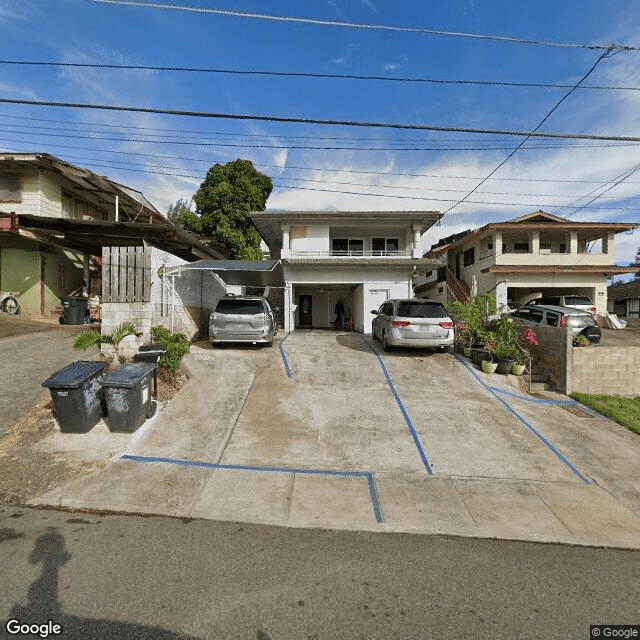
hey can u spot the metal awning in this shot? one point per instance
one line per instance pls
(89, 236)
(249, 273)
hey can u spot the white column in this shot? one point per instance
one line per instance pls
(501, 294)
(286, 249)
(415, 252)
(535, 242)
(573, 242)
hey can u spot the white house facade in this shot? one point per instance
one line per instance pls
(359, 259)
(532, 256)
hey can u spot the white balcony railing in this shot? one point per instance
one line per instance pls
(360, 253)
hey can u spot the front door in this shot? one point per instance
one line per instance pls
(304, 311)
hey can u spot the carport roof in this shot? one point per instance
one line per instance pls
(250, 273)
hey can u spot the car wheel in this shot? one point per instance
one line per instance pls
(385, 343)
(373, 334)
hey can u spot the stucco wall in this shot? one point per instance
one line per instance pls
(21, 261)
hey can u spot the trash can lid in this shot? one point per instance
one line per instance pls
(152, 348)
(128, 375)
(74, 375)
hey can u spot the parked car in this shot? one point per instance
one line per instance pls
(575, 302)
(578, 321)
(412, 323)
(243, 319)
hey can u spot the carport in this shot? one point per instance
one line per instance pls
(264, 275)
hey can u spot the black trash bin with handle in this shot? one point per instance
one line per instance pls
(74, 310)
(77, 395)
(127, 394)
(152, 354)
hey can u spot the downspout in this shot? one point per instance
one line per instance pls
(173, 292)
(117, 208)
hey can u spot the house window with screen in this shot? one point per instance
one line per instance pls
(10, 187)
(347, 247)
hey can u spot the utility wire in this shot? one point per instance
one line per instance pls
(294, 74)
(315, 147)
(364, 26)
(290, 120)
(564, 97)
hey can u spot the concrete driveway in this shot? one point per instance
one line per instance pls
(325, 431)
(30, 351)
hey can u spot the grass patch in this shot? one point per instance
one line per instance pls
(625, 411)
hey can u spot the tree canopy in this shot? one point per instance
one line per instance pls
(223, 203)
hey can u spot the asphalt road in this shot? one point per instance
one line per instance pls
(30, 351)
(113, 576)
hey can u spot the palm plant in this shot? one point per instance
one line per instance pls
(88, 339)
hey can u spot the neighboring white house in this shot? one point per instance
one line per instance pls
(358, 258)
(624, 298)
(531, 256)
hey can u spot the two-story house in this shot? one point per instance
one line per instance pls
(58, 220)
(359, 259)
(531, 256)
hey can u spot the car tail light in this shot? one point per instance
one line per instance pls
(400, 323)
(563, 321)
(446, 325)
(591, 309)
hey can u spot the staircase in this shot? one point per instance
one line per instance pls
(458, 289)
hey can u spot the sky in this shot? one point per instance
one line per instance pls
(392, 57)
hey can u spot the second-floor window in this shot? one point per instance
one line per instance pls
(347, 247)
(384, 246)
(10, 187)
(469, 257)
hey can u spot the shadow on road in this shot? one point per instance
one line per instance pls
(44, 604)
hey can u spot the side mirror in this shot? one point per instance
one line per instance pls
(276, 308)
(375, 313)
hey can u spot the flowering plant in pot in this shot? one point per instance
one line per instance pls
(523, 341)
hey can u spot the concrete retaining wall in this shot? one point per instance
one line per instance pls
(551, 357)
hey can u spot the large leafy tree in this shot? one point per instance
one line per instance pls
(223, 203)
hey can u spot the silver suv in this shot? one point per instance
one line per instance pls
(577, 321)
(583, 303)
(243, 319)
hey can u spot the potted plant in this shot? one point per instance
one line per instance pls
(581, 341)
(506, 355)
(523, 342)
(472, 318)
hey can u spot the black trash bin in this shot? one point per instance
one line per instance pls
(151, 353)
(127, 393)
(77, 395)
(74, 310)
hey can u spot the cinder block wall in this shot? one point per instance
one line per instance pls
(606, 370)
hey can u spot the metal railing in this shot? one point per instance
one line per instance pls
(352, 253)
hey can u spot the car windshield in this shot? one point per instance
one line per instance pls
(239, 307)
(420, 310)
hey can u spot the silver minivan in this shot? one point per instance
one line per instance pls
(243, 319)
(412, 323)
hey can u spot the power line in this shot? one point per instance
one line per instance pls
(556, 106)
(364, 26)
(294, 74)
(315, 147)
(318, 121)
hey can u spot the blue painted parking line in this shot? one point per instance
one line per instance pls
(368, 475)
(504, 392)
(283, 355)
(403, 410)
(525, 423)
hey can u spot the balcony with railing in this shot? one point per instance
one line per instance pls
(352, 253)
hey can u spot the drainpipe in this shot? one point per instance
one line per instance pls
(117, 209)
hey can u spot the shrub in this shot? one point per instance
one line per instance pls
(177, 345)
